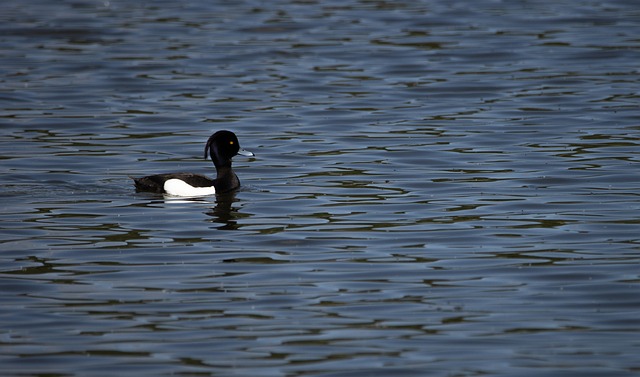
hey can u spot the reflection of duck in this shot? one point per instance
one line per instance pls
(225, 213)
(221, 146)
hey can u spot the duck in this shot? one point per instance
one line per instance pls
(222, 146)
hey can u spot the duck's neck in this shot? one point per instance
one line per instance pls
(226, 179)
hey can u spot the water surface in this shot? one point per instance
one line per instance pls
(439, 188)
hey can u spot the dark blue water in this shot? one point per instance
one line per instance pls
(440, 188)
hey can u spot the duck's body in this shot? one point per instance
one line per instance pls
(221, 146)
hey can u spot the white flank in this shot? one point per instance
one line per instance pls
(176, 187)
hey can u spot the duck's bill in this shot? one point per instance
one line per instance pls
(244, 152)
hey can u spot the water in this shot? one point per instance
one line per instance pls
(439, 189)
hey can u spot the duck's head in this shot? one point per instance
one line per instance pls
(222, 146)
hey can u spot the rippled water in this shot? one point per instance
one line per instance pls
(440, 188)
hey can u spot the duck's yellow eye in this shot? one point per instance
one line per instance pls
(231, 142)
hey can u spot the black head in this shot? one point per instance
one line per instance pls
(222, 146)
